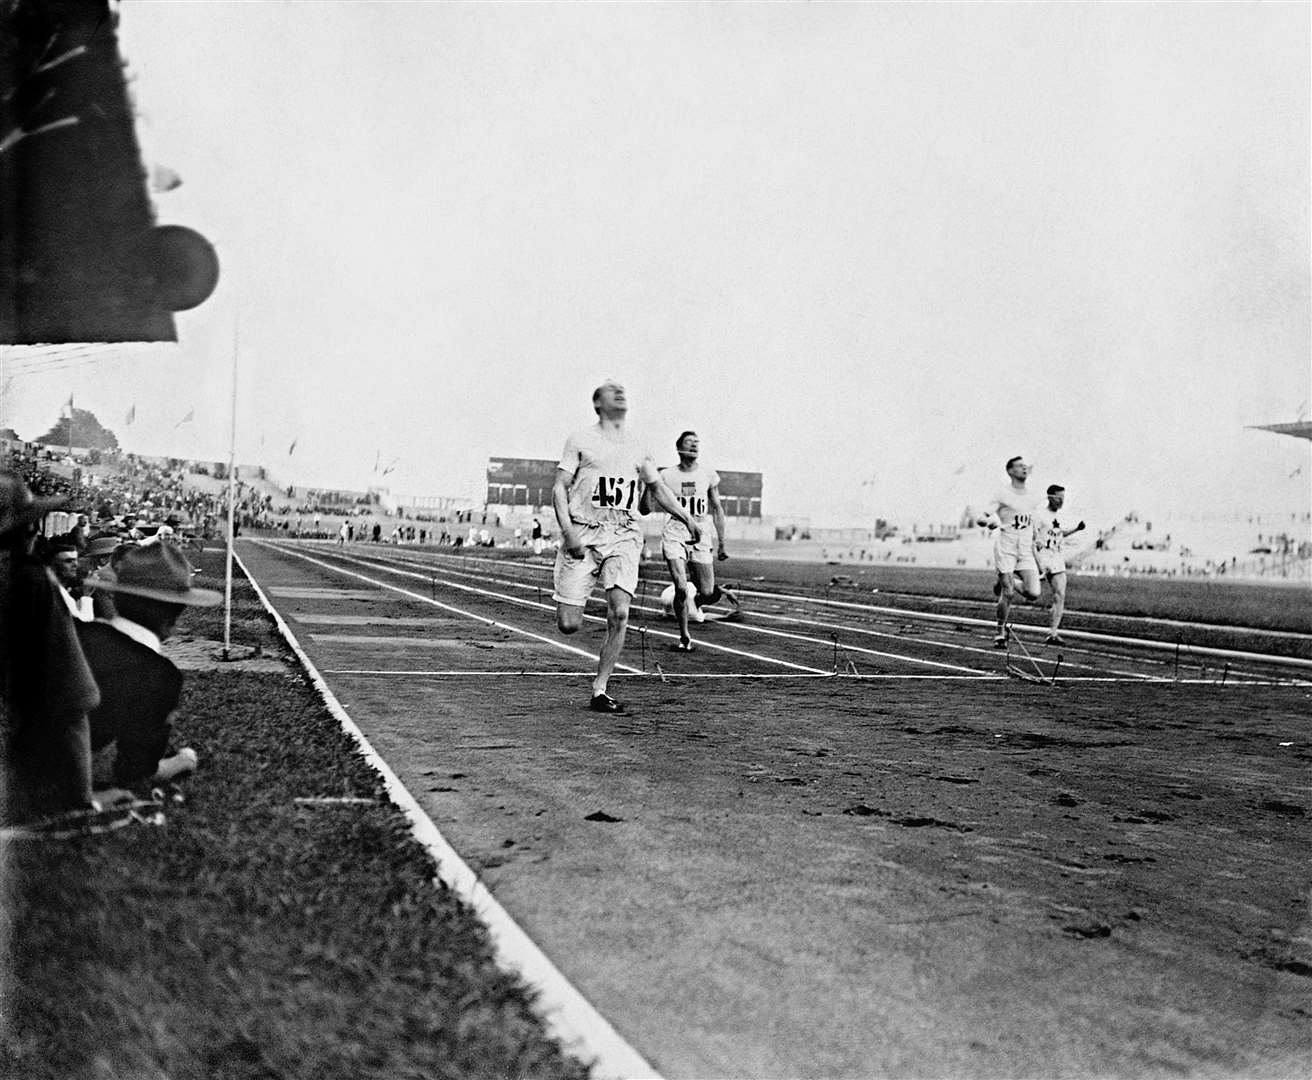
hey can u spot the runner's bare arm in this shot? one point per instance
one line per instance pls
(717, 516)
(569, 537)
(646, 502)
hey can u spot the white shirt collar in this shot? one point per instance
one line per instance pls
(136, 632)
(74, 608)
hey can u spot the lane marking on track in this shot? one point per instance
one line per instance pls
(670, 676)
(425, 571)
(504, 674)
(1149, 619)
(372, 620)
(438, 604)
(412, 642)
(1082, 635)
(581, 1029)
(393, 569)
(429, 572)
(702, 642)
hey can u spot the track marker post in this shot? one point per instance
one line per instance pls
(642, 637)
(1225, 673)
(835, 638)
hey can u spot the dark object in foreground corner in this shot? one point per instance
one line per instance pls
(81, 258)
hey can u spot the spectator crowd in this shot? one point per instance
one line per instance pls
(93, 579)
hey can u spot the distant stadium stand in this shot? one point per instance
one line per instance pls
(515, 482)
(526, 482)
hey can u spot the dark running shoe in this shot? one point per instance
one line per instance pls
(1000, 641)
(1055, 639)
(605, 703)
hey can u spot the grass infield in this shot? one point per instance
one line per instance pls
(254, 936)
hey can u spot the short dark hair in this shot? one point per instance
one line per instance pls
(1012, 460)
(1053, 489)
(679, 441)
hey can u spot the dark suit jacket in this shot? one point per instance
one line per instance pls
(139, 690)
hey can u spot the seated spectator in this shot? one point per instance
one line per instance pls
(99, 555)
(62, 559)
(47, 688)
(139, 687)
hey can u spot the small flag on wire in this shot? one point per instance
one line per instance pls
(132, 414)
(191, 415)
(292, 449)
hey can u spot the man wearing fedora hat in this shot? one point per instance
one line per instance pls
(47, 688)
(139, 687)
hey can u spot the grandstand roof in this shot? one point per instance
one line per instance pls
(1300, 430)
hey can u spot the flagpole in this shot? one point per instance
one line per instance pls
(232, 500)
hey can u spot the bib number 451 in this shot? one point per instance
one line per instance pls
(614, 492)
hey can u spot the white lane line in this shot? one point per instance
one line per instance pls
(371, 620)
(954, 646)
(322, 594)
(581, 1029)
(665, 675)
(1081, 635)
(1090, 637)
(843, 647)
(425, 571)
(918, 676)
(1151, 620)
(393, 569)
(438, 604)
(703, 643)
(393, 640)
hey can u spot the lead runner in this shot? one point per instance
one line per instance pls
(599, 481)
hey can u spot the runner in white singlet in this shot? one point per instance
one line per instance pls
(1049, 535)
(599, 483)
(1011, 513)
(697, 488)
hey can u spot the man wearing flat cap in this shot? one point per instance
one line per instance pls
(99, 556)
(139, 687)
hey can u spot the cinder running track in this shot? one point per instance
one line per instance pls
(919, 867)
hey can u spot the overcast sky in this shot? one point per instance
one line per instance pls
(871, 250)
